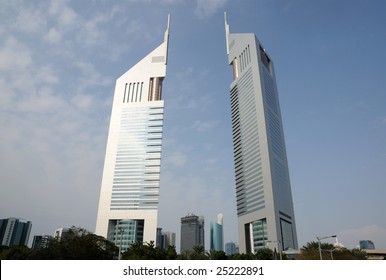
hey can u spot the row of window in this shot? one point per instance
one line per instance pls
(133, 91)
(241, 62)
(137, 170)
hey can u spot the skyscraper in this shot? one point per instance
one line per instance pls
(128, 204)
(41, 241)
(263, 191)
(165, 239)
(216, 234)
(192, 232)
(230, 248)
(366, 244)
(14, 232)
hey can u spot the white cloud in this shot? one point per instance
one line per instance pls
(53, 36)
(14, 55)
(204, 126)
(29, 20)
(176, 158)
(207, 8)
(83, 101)
(65, 16)
(88, 77)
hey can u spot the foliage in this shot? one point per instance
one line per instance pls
(148, 251)
(216, 255)
(197, 253)
(241, 256)
(19, 252)
(359, 253)
(261, 254)
(311, 252)
(264, 254)
(78, 245)
(83, 247)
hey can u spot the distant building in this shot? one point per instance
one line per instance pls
(170, 238)
(165, 239)
(41, 241)
(216, 234)
(366, 244)
(230, 248)
(160, 239)
(62, 233)
(14, 232)
(192, 232)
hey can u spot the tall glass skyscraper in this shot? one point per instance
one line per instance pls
(216, 234)
(263, 191)
(128, 204)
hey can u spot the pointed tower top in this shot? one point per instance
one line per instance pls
(166, 39)
(226, 31)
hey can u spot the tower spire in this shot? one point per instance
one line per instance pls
(226, 31)
(166, 40)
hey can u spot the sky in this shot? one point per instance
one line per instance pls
(59, 61)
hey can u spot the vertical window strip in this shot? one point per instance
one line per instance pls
(249, 54)
(128, 93)
(140, 92)
(124, 93)
(235, 69)
(136, 93)
(132, 92)
(245, 59)
(150, 95)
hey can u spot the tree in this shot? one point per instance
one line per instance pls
(17, 252)
(145, 251)
(80, 245)
(197, 253)
(171, 253)
(359, 253)
(311, 252)
(264, 254)
(242, 256)
(216, 255)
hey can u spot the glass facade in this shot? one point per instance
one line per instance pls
(14, 232)
(216, 242)
(138, 159)
(366, 244)
(192, 232)
(260, 234)
(287, 234)
(246, 146)
(127, 232)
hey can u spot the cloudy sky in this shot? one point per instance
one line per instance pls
(59, 61)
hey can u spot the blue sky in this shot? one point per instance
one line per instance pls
(59, 61)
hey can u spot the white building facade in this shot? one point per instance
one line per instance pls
(263, 191)
(128, 204)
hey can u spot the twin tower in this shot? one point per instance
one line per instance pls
(129, 195)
